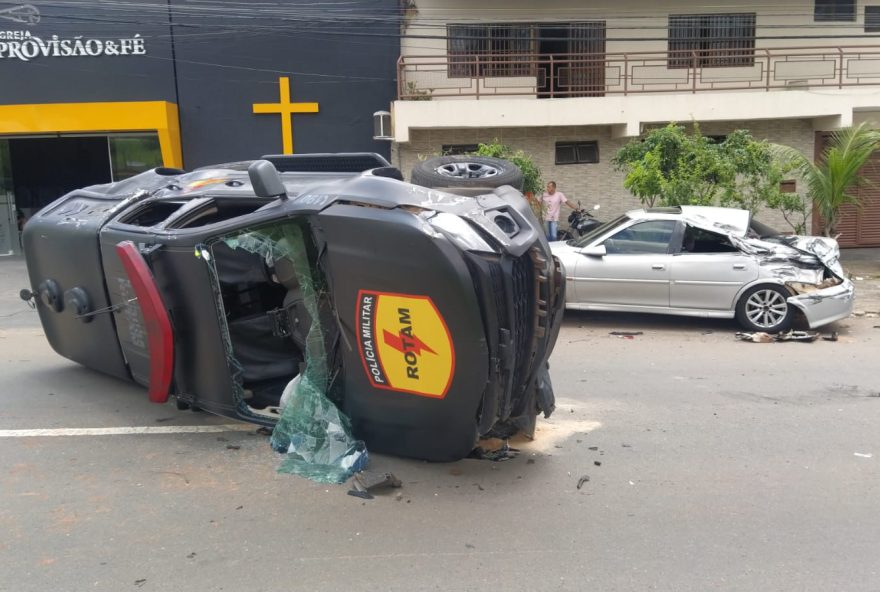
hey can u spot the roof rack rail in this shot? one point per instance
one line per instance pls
(342, 162)
(664, 210)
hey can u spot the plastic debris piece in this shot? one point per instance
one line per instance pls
(761, 337)
(361, 494)
(807, 336)
(863, 454)
(371, 480)
(500, 455)
(832, 337)
(582, 480)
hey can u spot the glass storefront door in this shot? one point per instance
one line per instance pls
(9, 243)
(34, 171)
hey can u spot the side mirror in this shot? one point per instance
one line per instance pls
(265, 180)
(594, 251)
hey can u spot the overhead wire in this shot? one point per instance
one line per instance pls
(366, 25)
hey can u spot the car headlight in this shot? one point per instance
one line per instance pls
(460, 232)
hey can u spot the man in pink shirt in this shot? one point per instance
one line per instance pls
(552, 201)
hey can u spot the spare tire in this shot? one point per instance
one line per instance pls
(466, 171)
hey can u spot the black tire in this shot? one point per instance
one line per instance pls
(564, 235)
(466, 171)
(764, 308)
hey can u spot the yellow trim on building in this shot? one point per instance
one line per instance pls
(135, 116)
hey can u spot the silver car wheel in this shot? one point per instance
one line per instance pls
(766, 308)
(467, 170)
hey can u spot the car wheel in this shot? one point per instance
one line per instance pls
(765, 308)
(466, 171)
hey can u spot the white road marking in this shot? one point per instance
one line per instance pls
(127, 431)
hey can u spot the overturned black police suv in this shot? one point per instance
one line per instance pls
(430, 311)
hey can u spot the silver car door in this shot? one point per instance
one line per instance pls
(633, 272)
(708, 271)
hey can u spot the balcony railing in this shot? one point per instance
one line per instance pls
(585, 75)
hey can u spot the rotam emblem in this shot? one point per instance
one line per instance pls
(404, 344)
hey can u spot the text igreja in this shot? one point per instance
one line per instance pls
(26, 47)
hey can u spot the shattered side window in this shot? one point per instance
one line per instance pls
(313, 433)
(699, 240)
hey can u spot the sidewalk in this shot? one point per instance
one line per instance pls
(863, 266)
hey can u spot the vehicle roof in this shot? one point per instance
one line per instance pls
(727, 220)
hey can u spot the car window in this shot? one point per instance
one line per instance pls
(652, 236)
(698, 240)
(600, 230)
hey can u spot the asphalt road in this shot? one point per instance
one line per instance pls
(724, 466)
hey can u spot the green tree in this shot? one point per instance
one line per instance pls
(670, 166)
(532, 182)
(832, 181)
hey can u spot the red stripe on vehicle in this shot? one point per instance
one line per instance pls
(160, 336)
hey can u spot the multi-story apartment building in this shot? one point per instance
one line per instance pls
(570, 81)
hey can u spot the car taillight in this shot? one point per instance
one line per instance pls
(160, 335)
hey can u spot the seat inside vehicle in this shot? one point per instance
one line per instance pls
(252, 297)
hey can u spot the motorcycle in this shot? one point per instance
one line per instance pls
(580, 222)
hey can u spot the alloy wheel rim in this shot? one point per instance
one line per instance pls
(766, 308)
(468, 170)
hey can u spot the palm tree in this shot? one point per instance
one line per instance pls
(830, 182)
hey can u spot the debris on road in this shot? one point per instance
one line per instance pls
(582, 480)
(598, 463)
(626, 334)
(371, 480)
(863, 454)
(505, 452)
(832, 337)
(761, 337)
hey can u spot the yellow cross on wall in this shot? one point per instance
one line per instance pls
(286, 109)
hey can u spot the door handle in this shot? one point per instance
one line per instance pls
(739, 266)
(658, 266)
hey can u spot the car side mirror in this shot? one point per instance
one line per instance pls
(265, 180)
(594, 251)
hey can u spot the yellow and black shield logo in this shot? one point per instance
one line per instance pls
(404, 343)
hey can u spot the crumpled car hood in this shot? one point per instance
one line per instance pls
(808, 250)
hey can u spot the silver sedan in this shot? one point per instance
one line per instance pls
(706, 262)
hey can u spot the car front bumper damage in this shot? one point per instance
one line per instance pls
(821, 303)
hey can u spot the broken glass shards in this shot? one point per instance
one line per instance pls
(313, 433)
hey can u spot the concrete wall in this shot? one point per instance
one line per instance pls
(593, 183)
